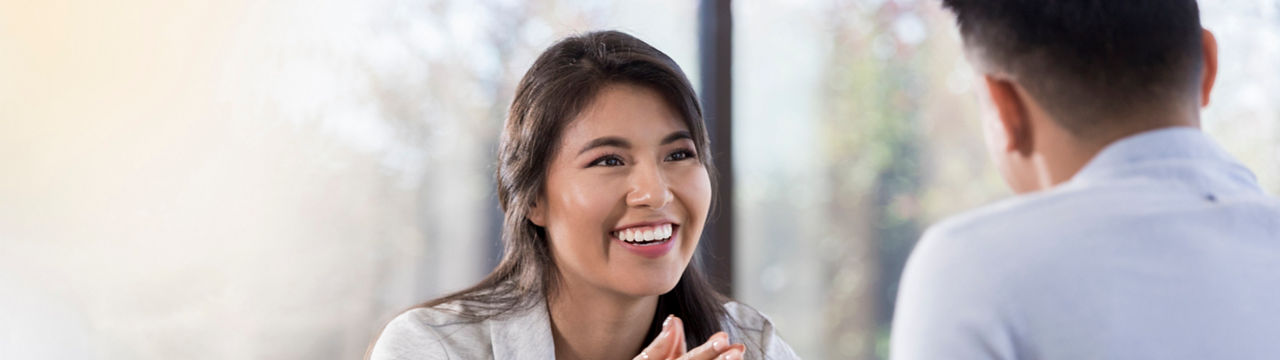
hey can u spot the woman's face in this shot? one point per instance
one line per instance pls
(626, 195)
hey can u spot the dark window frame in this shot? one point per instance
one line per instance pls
(715, 56)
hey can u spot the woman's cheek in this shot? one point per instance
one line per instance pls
(592, 197)
(584, 189)
(694, 188)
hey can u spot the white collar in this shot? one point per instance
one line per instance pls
(1163, 148)
(523, 335)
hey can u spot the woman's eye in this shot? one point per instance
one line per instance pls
(607, 161)
(680, 155)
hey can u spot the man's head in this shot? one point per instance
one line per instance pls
(1091, 70)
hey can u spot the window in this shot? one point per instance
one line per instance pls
(264, 180)
(276, 179)
(856, 127)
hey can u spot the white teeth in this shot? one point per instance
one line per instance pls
(661, 232)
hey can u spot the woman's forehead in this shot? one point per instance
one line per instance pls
(625, 110)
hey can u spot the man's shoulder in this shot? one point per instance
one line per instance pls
(966, 279)
(1014, 217)
(1076, 210)
(1022, 233)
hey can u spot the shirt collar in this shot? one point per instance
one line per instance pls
(525, 334)
(1171, 145)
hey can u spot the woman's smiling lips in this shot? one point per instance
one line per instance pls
(651, 240)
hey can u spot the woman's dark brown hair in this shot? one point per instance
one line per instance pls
(559, 85)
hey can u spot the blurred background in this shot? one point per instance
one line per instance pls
(276, 180)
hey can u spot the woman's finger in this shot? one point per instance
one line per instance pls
(734, 352)
(678, 347)
(663, 345)
(715, 346)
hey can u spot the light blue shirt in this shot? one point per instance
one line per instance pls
(1162, 247)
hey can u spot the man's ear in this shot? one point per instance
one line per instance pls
(538, 213)
(1210, 73)
(1013, 114)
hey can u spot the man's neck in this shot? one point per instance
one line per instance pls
(1062, 158)
(1065, 155)
(590, 323)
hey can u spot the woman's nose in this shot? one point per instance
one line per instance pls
(649, 188)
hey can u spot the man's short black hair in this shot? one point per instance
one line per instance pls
(1087, 61)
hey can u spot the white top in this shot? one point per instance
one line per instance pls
(1162, 247)
(430, 333)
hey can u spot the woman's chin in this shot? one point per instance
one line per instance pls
(642, 287)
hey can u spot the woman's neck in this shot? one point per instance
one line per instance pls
(590, 323)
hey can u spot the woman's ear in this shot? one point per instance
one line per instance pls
(1012, 113)
(538, 213)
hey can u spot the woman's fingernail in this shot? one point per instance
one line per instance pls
(719, 345)
(667, 322)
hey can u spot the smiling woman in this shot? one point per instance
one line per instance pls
(643, 179)
(605, 181)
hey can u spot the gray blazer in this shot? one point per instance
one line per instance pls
(439, 333)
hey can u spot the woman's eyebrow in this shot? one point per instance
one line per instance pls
(613, 141)
(618, 142)
(678, 135)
